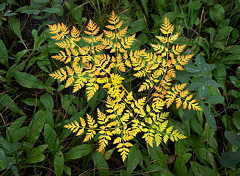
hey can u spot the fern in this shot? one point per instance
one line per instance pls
(105, 63)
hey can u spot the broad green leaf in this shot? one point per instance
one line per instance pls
(17, 134)
(196, 126)
(100, 163)
(67, 104)
(76, 13)
(230, 159)
(236, 119)
(180, 164)
(78, 152)
(67, 170)
(20, 54)
(10, 148)
(3, 160)
(134, 158)
(58, 163)
(194, 5)
(28, 80)
(108, 154)
(47, 101)
(4, 54)
(49, 118)
(210, 117)
(232, 49)
(28, 10)
(205, 155)
(17, 123)
(36, 126)
(233, 138)
(223, 33)
(217, 13)
(235, 81)
(145, 5)
(231, 59)
(36, 154)
(200, 170)
(7, 102)
(50, 138)
(38, 39)
(15, 67)
(31, 101)
(138, 25)
(15, 26)
(53, 10)
(157, 155)
(220, 74)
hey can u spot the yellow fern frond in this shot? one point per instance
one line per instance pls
(60, 74)
(178, 49)
(79, 83)
(173, 38)
(91, 89)
(75, 33)
(157, 48)
(167, 27)
(128, 41)
(122, 33)
(92, 28)
(113, 19)
(59, 31)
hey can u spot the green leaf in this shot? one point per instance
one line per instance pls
(50, 138)
(28, 10)
(36, 154)
(100, 163)
(67, 170)
(7, 102)
(194, 5)
(138, 25)
(76, 13)
(134, 158)
(231, 59)
(233, 138)
(4, 54)
(145, 5)
(210, 117)
(196, 126)
(47, 101)
(28, 80)
(58, 163)
(204, 155)
(15, 26)
(78, 152)
(216, 13)
(199, 170)
(3, 160)
(180, 164)
(67, 104)
(49, 118)
(31, 101)
(52, 10)
(157, 155)
(36, 126)
(17, 134)
(223, 33)
(236, 119)
(108, 154)
(230, 159)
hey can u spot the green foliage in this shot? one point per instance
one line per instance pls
(29, 99)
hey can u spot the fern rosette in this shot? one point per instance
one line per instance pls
(106, 62)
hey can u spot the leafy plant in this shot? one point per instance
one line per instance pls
(104, 62)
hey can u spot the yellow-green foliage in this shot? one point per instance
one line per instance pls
(104, 64)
